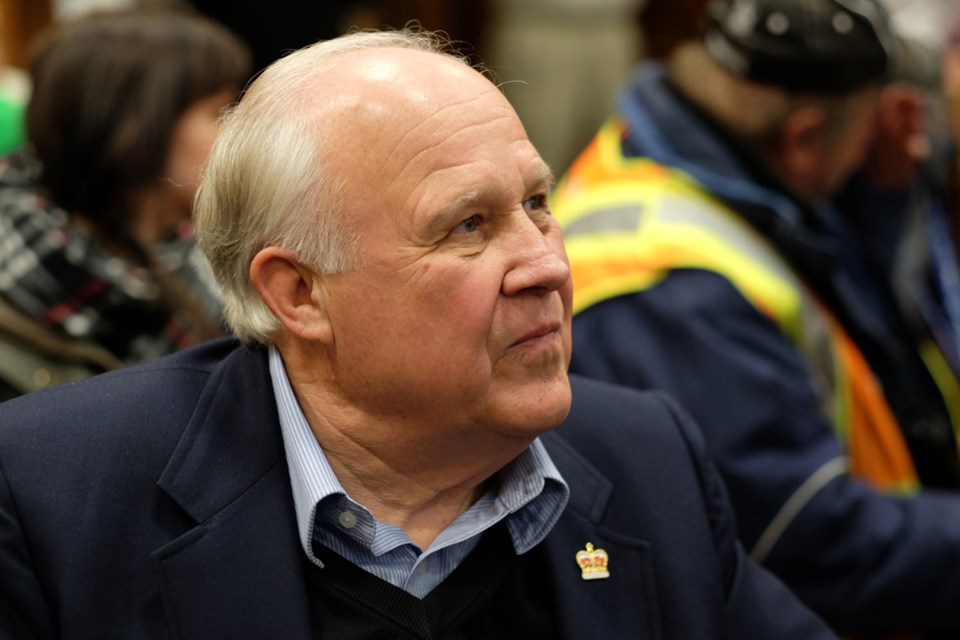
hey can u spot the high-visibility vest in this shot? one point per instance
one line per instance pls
(628, 222)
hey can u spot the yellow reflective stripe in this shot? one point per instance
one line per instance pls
(842, 397)
(906, 487)
(629, 222)
(609, 258)
(711, 237)
(945, 380)
(607, 268)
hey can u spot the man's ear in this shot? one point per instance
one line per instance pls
(293, 292)
(900, 142)
(802, 149)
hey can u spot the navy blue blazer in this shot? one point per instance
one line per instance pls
(154, 502)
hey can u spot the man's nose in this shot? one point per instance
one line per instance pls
(539, 263)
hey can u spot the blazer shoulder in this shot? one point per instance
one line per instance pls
(138, 408)
(604, 414)
(640, 445)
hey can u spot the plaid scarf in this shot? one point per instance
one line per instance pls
(57, 274)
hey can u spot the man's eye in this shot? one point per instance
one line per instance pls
(469, 225)
(536, 203)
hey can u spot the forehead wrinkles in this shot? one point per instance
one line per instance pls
(482, 152)
(393, 122)
(377, 92)
(411, 128)
(441, 141)
(390, 140)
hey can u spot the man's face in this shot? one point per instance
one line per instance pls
(190, 145)
(900, 143)
(459, 312)
(847, 148)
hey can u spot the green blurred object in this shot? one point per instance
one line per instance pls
(11, 125)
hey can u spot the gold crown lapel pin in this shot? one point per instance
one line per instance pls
(594, 563)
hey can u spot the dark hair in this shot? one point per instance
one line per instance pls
(108, 89)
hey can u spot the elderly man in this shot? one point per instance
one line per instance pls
(710, 263)
(378, 457)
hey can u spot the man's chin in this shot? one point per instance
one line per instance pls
(534, 407)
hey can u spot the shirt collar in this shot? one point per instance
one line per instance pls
(530, 488)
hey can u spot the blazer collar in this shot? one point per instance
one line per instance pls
(621, 605)
(240, 571)
(232, 440)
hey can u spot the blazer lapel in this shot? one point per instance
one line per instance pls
(623, 605)
(240, 571)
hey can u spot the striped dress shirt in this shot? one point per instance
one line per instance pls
(529, 496)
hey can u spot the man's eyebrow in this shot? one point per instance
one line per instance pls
(464, 201)
(545, 176)
(453, 213)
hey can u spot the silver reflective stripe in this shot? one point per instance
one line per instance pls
(624, 219)
(729, 226)
(811, 487)
(811, 336)
(683, 210)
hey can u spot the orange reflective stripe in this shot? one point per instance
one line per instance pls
(878, 451)
(599, 280)
(601, 164)
(603, 270)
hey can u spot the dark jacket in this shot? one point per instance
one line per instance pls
(155, 502)
(69, 307)
(865, 561)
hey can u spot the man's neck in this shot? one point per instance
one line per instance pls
(422, 509)
(397, 472)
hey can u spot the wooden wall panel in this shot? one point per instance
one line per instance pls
(20, 22)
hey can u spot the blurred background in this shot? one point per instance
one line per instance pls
(561, 61)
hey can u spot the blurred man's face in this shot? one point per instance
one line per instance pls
(847, 147)
(193, 137)
(459, 312)
(900, 144)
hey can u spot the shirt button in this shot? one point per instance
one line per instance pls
(347, 520)
(422, 567)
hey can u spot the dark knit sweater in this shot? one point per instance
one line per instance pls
(494, 593)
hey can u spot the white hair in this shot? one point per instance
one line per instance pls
(265, 183)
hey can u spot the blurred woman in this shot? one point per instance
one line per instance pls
(97, 264)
